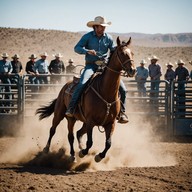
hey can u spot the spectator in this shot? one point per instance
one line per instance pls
(170, 73)
(17, 69)
(155, 72)
(41, 68)
(71, 68)
(141, 76)
(181, 75)
(56, 67)
(30, 69)
(5, 70)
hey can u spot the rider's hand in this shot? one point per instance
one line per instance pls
(92, 52)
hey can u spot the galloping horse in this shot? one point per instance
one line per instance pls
(100, 103)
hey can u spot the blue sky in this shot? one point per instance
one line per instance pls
(143, 16)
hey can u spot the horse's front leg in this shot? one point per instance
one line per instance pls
(89, 143)
(108, 133)
(80, 133)
(71, 122)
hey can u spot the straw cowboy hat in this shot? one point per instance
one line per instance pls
(99, 21)
(58, 55)
(16, 56)
(70, 61)
(154, 58)
(33, 56)
(180, 61)
(169, 64)
(44, 54)
(4, 55)
(190, 62)
(143, 61)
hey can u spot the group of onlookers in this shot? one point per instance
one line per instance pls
(37, 70)
(154, 71)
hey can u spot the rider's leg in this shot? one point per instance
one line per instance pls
(122, 116)
(88, 71)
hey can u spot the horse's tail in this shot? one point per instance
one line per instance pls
(46, 111)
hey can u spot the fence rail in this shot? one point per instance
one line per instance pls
(170, 107)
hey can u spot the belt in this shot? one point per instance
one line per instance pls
(98, 62)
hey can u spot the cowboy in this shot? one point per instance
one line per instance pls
(181, 75)
(30, 69)
(56, 67)
(5, 70)
(141, 76)
(170, 73)
(17, 68)
(71, 68)
(155, 72)
(41, 68)
(94, 44)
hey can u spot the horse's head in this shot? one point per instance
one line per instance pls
(125, 57)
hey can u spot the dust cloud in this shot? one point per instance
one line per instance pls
(133, 145)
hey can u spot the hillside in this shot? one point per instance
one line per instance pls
(28, 41)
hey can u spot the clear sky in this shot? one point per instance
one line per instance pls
(143, 16)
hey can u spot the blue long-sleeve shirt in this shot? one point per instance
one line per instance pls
(5, 66)
(91, 41)
(142, 73)
(41, 66)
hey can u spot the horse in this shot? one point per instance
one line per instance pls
(99, 104)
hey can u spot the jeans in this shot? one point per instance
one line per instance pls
(89, 70)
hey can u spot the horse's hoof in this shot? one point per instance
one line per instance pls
(46, 150)
(98, 158)
(72, 159)
(81, 155)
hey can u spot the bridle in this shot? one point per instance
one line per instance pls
(123, 63)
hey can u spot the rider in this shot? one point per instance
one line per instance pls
(91, 44)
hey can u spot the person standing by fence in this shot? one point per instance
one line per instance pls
(170, 73)
(141, 76)
(56, 67)
(155, 72)
(5, 70)
(41, 68)
(181, 76)
(30, 70)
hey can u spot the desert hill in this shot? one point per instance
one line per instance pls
(169, 47)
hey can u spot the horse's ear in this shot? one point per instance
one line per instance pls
(129, 41)
(118, 41)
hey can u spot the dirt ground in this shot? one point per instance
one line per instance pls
(41, 174)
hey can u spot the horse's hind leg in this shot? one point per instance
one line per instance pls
(80, 133)
(56, 120)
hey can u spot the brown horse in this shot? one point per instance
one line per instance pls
(100, 103)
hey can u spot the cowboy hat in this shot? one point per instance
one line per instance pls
(44, 54)
(58, 55)
(4, 55)
(16, 56)
(169, 64)
(154, 58)
(33, 56)
(143, 61)
(99, 21)
(190, 62)
(70, 61)
(180, 61)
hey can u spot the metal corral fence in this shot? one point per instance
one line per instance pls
(169, 109)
